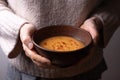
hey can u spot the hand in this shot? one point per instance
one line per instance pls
(93, 26)
(25, 35)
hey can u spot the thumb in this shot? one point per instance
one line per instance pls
(25, 35)
(91, 28)
(29, 44)
(26, 40)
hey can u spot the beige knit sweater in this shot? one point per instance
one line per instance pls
(14, 13)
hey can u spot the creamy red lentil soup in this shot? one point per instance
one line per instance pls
(61, 43)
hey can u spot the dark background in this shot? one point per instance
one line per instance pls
(111, 54)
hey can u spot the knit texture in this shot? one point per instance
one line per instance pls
(43, 13)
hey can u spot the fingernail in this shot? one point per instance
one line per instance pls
(30, 45)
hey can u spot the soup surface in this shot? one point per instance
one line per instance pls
(61, 43)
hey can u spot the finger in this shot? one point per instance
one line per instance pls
(26, 40)
(34, 56)
(39, 64)
(25, 35)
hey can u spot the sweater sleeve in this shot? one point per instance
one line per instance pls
(109, 13)
(10, 24)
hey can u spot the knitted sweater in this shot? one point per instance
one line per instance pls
(41, 13)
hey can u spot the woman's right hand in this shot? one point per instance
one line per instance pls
(25, 35)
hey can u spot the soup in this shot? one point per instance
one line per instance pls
(61, 43)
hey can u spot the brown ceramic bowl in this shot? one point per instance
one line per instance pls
(64, 58)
